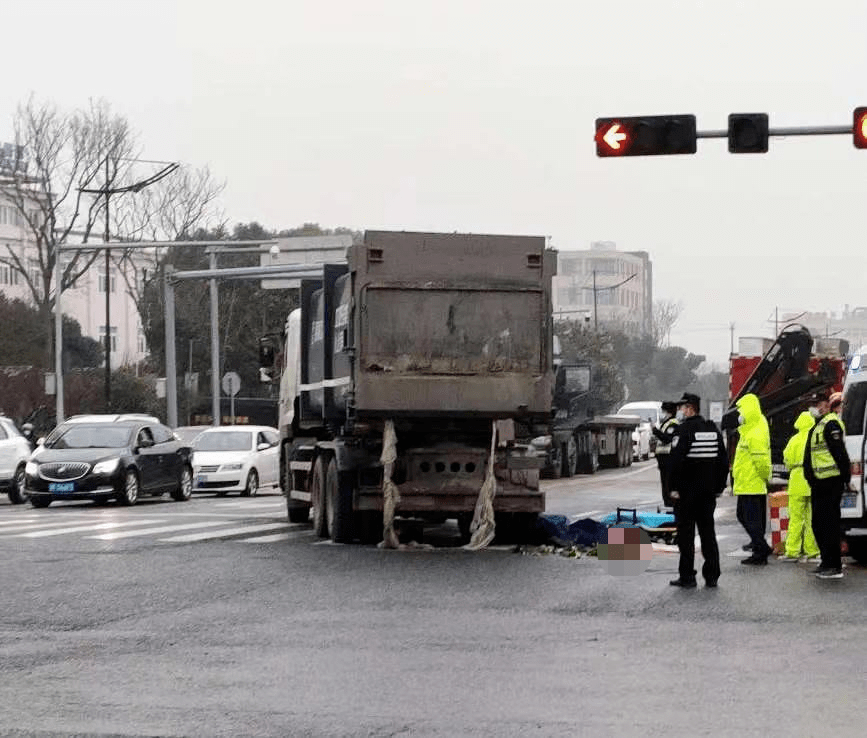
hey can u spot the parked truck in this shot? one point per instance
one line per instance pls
(582, 441)
(447, 338)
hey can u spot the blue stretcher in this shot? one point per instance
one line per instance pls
(656, 525)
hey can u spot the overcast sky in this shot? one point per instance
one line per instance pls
(479, 116)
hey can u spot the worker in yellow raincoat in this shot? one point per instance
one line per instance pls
(800, 541)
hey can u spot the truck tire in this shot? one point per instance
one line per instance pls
(858, 548)
(570, 457)
(338, 506)
(369, 524)
(317, 498)
(297, 511)
(555, 466)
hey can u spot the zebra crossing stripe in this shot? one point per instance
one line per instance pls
(226, 532)
(82, 529)
(150, 531)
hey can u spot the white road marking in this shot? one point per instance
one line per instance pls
(150, 531)
(226, 532)
(13, 531)
(83, 528)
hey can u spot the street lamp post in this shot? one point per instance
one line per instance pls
(108, 191)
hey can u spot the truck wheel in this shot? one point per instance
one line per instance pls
(465, 520)
(338, 506)
(369, 526)
(570, 457)
(297, 511)
(594, 460)
(858, 548)
(317, 499)
(555, 467)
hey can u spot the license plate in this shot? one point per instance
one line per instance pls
(61, 486)
(201, 479)
(848, 501)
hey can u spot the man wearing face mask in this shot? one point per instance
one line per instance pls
(699, 466)
(665, 434)
(826, 469)
(751, 472)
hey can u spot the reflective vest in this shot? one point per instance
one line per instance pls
(665, 448)
(824, 466)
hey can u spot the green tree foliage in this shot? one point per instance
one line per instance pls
(23, 338)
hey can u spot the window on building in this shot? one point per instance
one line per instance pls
(113, 333)
(102, 281)
(142, 343)
(33, 271)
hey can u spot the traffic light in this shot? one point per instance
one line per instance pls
(859, 128)
(266, 351)
(748, 133)
(645, 135)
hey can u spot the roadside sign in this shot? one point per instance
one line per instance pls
(231, 383)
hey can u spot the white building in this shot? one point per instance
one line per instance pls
(604, 286)
(86, 300)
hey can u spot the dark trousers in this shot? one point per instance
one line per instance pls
(753, 515)
(662, 461)
(826, 519)
(695, 510)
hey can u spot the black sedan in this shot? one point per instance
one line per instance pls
(104, 458)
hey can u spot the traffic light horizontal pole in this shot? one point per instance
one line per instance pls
(791, 131)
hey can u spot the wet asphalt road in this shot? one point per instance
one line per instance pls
(285, 636)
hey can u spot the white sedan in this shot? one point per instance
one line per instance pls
(236, 459)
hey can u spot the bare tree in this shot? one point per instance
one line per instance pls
(60, 154)
(171, 209)
(665, 315)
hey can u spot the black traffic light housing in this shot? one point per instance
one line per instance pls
(748, 133)
(859, 128)
(646, 135)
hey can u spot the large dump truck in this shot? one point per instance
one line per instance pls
(446, 338)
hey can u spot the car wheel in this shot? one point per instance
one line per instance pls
(129, 494)
(18, 491)
(317, 498)
(40, 501)
(184, 490)
(251, 489)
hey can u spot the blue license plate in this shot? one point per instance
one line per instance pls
(201, 479)
(61, 487)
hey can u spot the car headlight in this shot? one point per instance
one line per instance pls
(231, 467)
(108, 466)
(31, 468)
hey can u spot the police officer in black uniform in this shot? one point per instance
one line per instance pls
(698, 471)
(664, 436)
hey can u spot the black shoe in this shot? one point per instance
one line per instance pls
(747, 547)
(685, 583)
(710, 583)
(755, 561)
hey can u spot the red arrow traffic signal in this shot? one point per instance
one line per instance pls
(646, 135)
(859, 128)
